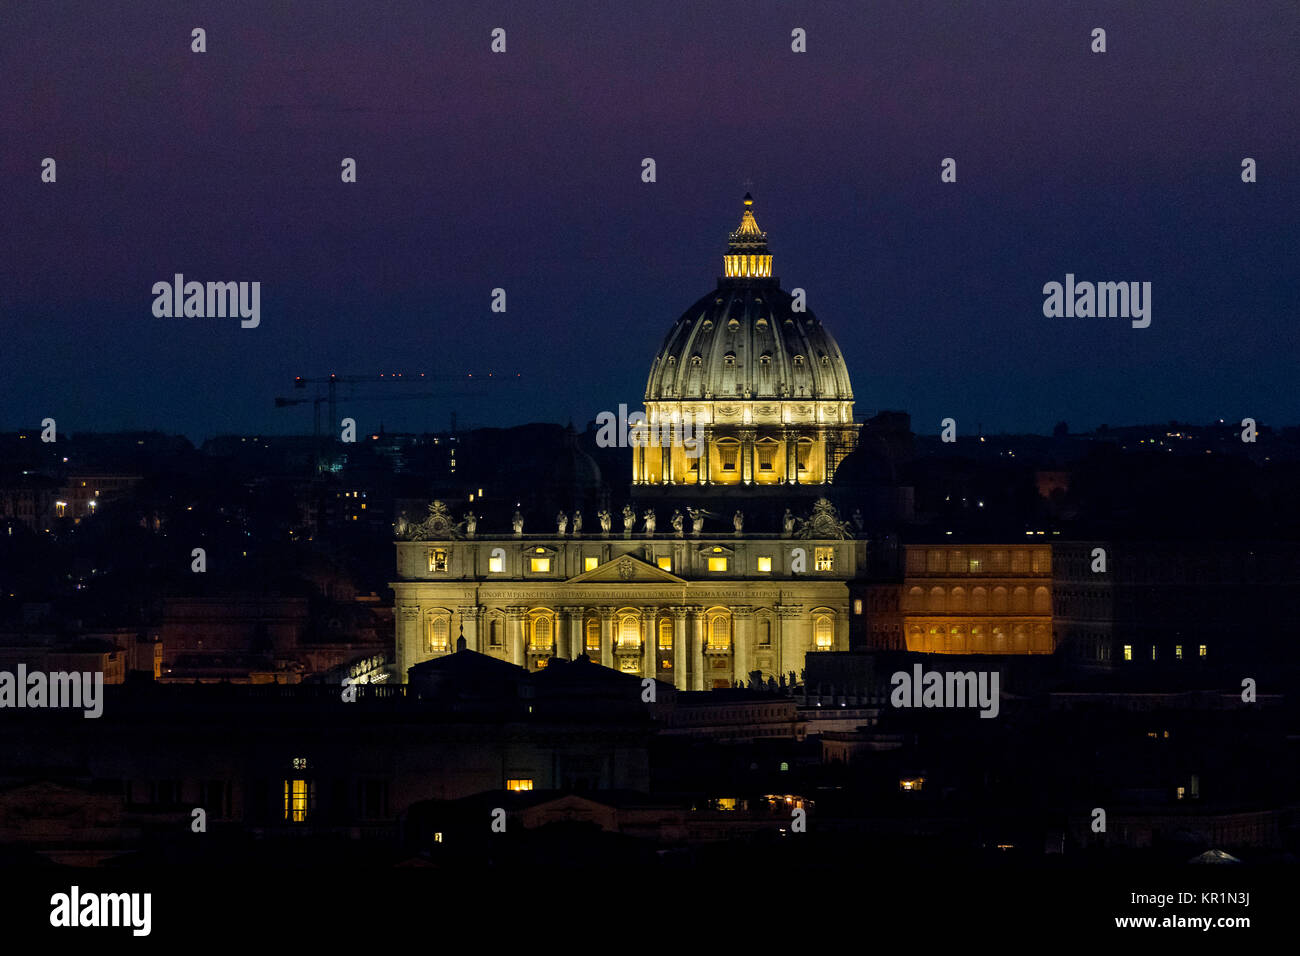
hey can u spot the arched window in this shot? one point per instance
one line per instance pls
(823, 632)
(937, 602)
(629, 631)
(915, 599)
(593, 637)
(719, 633)
(665, 635)
(543, 632)
(438, 632)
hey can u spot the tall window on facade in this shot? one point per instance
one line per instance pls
(496, 564)
(766, 455)
(438, 560)
(299, 800)
(629, 631)
(439, 632)
(719, 633)
(764, 632)
(494, 633)
(666, 635)
(728, 455)
(593, 637)
(823, 632)
(543, 629)
(824, 559)
(802, 454)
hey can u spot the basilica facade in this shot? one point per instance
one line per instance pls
(698, 612)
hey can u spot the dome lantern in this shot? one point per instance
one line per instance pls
(747, 256)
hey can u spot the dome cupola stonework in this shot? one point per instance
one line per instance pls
(762, 384)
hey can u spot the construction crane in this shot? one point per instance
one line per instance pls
(332, 382)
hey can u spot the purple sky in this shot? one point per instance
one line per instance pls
(522, 171)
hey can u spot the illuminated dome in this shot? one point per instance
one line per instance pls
(745, 340)
(761, 379)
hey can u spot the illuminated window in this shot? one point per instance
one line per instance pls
(719, 633)
(437, 559)
(593, 636)
(824, 558)
(765, 563)
(629, 631)
(666, 563)
(717, 564)
(1128, 652)
(1153, 652)
(439, 632)
(1178, 651)
(666, 635)
(519, 783)
(540, 564)
(1202, 650)
(823, 632)
(590, 564)
(496, 564)
(299, 800)
(857, 605)
(911, 783)
(725, 803)
(729, 455)
(542, 629)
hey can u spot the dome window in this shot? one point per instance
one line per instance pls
(729, 360)
(708, 324)
(765, 360)
(733, 325)
(761, 324)
(672, 360)
(696, 360)
(717, 301)
(826, 363)
(798, 361)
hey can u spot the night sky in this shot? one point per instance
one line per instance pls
(523, 170)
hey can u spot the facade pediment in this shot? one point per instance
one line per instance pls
(626, 569)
